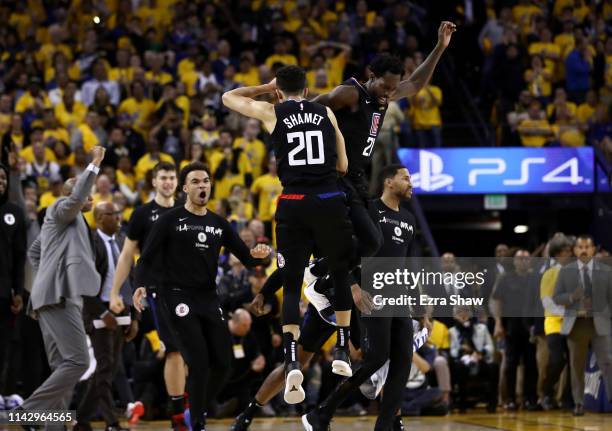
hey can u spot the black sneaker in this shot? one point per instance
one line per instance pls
(549, 404)
(314, 421)
(342, 362)
(242, 422)
(294, 393)
(398, 424)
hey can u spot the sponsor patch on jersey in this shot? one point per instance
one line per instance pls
(280, 259)
(9, 219)
(202, 237)
(375, 123)
(182, 310)
(397, 231)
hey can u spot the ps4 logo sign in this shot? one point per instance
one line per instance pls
(493, 170)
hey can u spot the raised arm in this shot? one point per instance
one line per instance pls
(422, 75)
(69, 208)
(242, 101)
(342, 161)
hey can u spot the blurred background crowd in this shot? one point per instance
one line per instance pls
(144, 79)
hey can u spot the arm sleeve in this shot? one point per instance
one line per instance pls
(19, 255)
(237, 247)
(272, 285)
(151, 258)
(34, 252)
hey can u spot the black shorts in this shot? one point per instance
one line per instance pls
(161, 325)
(315, 331)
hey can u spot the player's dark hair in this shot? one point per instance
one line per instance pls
(163, 166)
(291, 79)
(390, 171)
(191, 167)
(384, 63)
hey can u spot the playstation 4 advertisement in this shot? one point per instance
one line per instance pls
(500, 170)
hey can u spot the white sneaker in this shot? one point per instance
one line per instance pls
(320, 302)
(294, 393)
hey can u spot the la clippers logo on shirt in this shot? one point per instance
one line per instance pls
(375, 123)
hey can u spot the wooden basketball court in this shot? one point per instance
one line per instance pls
(466, 422)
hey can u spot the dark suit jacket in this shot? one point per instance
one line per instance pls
(93, 306)
(569, 280)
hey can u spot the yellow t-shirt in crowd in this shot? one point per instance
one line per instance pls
(161, 78)
(552, 322)
(571, 109)
(244, 165)
(540, 84)
(267, 187)
(46, 200)
(255, 151)
(121, 73)
(249, 78)
(5, 122)
(127, 179)
(28, 154)
(146, 163)
(97, 198)
(70, 119)
(26, 102)
(542, 48)
(569, 137)
(585, 112)
(439, 336)
(139, 112)
(425, 108)
(286, 59)
(533, 141)
(59, 134)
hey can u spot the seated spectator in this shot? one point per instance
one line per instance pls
(535, 131)
(521, 110)
(138, 106)
(560, 101)
(281, 55)
(89, 134)
(420, 399)
(252, 146)
(247, 74)
(585, 114)
(247, 365)
(549, 51)
(567, 129)
(43, 167)
(70, 112)
(264, 190)
(171, 135)
(471, 351)
(150, 159)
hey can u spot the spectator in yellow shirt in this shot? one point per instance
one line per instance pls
(254, 148)
(281, 54)
(247, 75)
(35, 99)
(535, 131)
(550, 52)
(586, 111)
(539, 78)
(157, 75)
(6, 112)
(152, 157)
(123, 73)
(567, 129)
(264, 190)
(69, 112)
(138, 107)
(426, 119)
(560, 250)
(560, 101)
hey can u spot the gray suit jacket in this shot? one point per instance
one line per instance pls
(569, 280)
(63, 253)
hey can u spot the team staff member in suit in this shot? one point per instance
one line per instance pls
(584, 287)
(184, 246)
(107, 342)
(64, 257)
